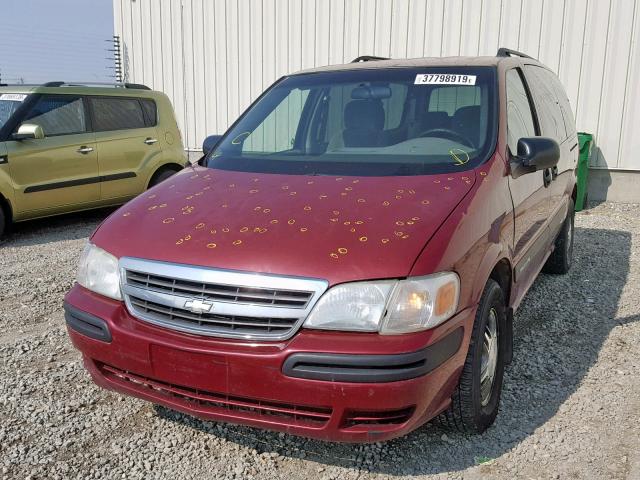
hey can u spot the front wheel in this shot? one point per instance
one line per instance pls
(474, 405)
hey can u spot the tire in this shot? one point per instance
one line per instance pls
(474, 405)
(559, 262)
(160, 176)
(3, 222)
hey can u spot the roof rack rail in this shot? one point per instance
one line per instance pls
(507, 52)
(368, 58)
(136, 86)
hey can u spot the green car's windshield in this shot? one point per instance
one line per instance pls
(9, 103)
(400, 121)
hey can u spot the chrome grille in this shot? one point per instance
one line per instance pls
(240, 304)
(223, 293)
(235, 323)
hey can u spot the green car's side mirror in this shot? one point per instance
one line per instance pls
(29, 130)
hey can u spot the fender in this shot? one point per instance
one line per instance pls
(493, 255)
(6, 186)
(163, 158)
(475, 238)
(8, 198)
(149, 166)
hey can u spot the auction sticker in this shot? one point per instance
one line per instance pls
(444, 79)
(16, 97)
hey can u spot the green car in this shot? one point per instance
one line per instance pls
(69, 147)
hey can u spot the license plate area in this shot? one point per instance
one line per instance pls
(202, 371)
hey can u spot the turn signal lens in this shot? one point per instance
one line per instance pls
(446, 299)
(421, 303)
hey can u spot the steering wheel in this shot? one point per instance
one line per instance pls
(447, 133)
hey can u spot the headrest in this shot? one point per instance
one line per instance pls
(467, 114)
(364, 114)
(435, 117)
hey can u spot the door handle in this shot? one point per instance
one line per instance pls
(84, 150)
(150, 141)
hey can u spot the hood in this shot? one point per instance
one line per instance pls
(335, 228)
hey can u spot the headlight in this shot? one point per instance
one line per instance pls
(388, 307)
(98, 272)
(421, 303)
(351, 306)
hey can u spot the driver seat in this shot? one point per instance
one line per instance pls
(364, 123)
(466, 121)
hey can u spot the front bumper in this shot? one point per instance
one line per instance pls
(244, 382)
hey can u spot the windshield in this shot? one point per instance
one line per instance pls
(9, 103)
(368, 123)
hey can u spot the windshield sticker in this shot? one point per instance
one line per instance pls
(444, 79)
(460, 156)
(16, 97)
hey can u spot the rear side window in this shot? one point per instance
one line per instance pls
(113, 113)
(450, 99)
(567, 113)
(150, 111)
(58, 115)
(561, 97)
(550, 114)
(519, 115)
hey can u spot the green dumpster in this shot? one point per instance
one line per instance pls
(585, 141)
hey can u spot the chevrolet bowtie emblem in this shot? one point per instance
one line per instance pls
(198, 306)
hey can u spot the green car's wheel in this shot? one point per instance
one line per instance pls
(3, 222)
(161, 175)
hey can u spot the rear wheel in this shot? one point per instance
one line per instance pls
(161, 175)
(3, 222)
(474, 405)
(559, 261)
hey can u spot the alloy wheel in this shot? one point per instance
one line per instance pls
(489, 359)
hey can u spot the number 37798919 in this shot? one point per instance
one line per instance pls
(444, 79)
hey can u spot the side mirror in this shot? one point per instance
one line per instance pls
(210, 143)
(534, 153)
(29, 130)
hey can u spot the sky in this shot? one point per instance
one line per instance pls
(48, 40)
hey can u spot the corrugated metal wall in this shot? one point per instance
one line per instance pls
(213, 57)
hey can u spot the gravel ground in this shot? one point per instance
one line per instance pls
(570, 406)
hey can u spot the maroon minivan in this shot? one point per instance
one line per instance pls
(345, 261)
